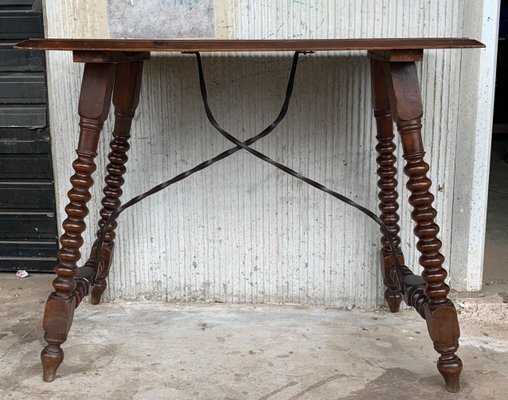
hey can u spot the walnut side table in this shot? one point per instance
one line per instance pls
(113, 70)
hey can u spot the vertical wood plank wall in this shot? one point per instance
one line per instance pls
(241, 231)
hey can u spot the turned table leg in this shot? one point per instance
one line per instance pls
(387, 182)
(94, 105)
(440, 314)
(125, 101)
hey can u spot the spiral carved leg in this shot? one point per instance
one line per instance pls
(125, 100)
(111, 201)
(387, 182)
(439, 312)
(59, 312)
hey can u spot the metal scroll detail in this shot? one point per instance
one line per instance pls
(245, 145)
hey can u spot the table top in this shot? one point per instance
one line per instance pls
(215, 45)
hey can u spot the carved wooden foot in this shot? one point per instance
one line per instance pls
(51, 357)
(125, 100)
(450, 366)
(438, 310)
(387, 182)
(93, 108)
(393, 299)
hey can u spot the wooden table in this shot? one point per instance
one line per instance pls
(113, 69)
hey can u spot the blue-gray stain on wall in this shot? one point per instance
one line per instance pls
(161, 19)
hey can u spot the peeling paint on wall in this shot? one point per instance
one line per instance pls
(161, 18)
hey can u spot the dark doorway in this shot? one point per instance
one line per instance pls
(496, 244)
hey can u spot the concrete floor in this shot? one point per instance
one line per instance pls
(216, 351)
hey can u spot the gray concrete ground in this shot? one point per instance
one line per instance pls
(216, 351)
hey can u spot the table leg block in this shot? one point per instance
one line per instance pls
(443, 327)
(393, 296)
(104, 264)
(57, 322)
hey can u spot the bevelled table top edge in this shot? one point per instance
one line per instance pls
(222, 45)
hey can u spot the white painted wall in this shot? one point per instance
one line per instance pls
(473, 150)
(242, 231)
